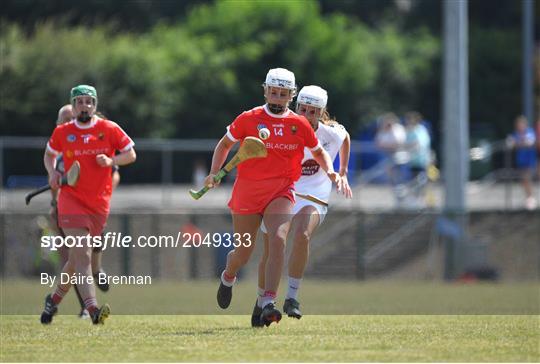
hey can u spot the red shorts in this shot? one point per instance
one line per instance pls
(252, 197)
(72, 213)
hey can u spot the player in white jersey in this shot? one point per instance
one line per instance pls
(308, 215)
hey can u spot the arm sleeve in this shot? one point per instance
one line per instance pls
(55, 145)
(120, 140)
(236, 131)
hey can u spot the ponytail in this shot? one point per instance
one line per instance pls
(326, 119)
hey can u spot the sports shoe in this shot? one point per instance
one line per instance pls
(270, 314)
(224, 295)
(256, 316)
(292, 308)
(101, 314)
(84, 315)
(104, 287)
(49, 311)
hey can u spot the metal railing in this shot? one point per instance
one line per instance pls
(166, 147)
(502, 173)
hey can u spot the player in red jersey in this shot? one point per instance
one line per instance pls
(65, 115)
(84, 208)
(264, 187)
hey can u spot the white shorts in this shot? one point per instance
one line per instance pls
(299, 205)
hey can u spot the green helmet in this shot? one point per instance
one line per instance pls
(83, 90)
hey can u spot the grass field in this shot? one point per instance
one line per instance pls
(316, 337)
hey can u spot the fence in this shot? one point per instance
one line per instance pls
(348, 246)
(172, 161)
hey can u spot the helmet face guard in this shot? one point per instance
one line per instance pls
(276, 108)
(277, 80)
(310, 112)
(80, 91)
(311, 102)
(277, 98)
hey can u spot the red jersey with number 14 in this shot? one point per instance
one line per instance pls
(289, 134)
(79, 142)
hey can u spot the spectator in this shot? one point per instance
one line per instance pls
(417, 143)
(523, 141)
(390, 139)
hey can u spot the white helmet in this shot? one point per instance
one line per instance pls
(313, 96)
(280, 77)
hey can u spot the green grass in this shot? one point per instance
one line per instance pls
(314, 338)
(321, 298)
(344, 322)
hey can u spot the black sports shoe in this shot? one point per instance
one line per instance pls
(49, 311)
(256, 316)
(292, 308)
(224, 295)
(104, 287)
(270, 314)
(101, 314)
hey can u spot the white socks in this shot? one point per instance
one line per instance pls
(264, 298)
(225, 281)
(293, 286)
(260, 295)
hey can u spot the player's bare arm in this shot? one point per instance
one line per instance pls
(122, 159)
(49, 160)
(221, 152)
(344, 154)
(115, 179)
(323, 158)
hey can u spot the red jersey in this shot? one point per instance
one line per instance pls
(289, 134)
(79, 142)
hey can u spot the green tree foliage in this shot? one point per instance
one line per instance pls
(125, 15)
(495, 82)
(190, 79)
(38, 72)
(350, 60)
